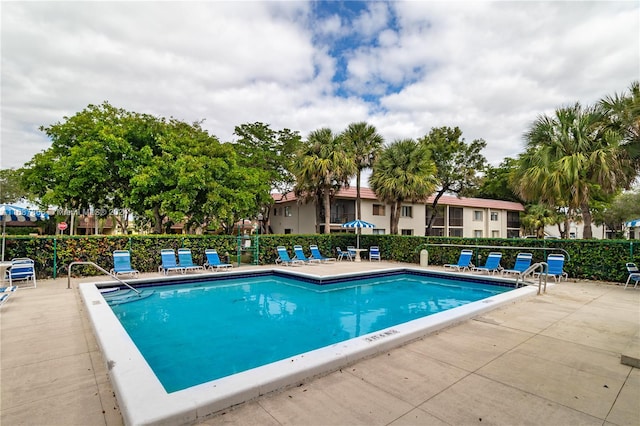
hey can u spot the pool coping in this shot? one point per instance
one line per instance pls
(143, 400)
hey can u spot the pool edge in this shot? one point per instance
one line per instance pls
(142, 398)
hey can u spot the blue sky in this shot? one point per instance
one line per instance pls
(489, 68)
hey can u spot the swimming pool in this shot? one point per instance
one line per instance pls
(243, 323)
(143, 398)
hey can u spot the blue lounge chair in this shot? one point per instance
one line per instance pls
(343, 254)
(374, 253)
(4, 297)
(284, 259)
(315, 253)
(634, 274)
(464, 261)
(185, 260)
(555, 263)
(169, 263)
(122, 263)
(299, 255)
(523, 261)
(22, 269)
(9, 289)
(213, 261)
(492, 265)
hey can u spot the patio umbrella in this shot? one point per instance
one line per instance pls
(356, 224)
(20, 214)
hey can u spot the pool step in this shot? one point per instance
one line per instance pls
(125, 296)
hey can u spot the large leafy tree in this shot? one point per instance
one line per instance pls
(404, 172)
(164, 171)
(496, 182)
(196, 180)
(322, 167)
(624, 207)
(273, 151)
(569, 160)
(90, 161)
(365, 143)
(457, 162)
(11, 189)
(269, 150)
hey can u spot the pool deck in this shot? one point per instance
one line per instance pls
(553, 359)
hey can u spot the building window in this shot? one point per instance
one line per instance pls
(494, 216)
(477, 215)
(513, 233)
(378, 231)
(455, 217)
(287, 230)
(513, 220)
(378, 209)
(477, 233)
(438, 212)
(287, 211)
(275, 211)
(407, 231)
(435, 232)
(495, 234)
(406, 211)
(455, 232)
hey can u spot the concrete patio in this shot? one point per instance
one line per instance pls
(553, 359)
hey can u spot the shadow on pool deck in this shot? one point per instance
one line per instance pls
(551, 359)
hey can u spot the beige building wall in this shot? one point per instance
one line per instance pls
(293, 218)
(478, 222)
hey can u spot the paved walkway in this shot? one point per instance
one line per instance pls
(547, 360)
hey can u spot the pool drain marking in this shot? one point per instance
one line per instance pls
(382, 335)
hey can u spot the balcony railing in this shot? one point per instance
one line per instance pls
(343, 218)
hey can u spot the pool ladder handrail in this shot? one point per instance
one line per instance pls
(99, 268)
(542, 266)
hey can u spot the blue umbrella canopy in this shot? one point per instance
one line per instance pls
(358, 224)
(10, 213)
(633, 223)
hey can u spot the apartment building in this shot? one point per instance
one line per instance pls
(455, 217)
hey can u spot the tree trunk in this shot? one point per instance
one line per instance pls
(432, 215)
(157, 221)
(395, 217)
(587, 233)
(327, 212)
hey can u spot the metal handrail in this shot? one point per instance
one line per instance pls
(530, 270)
(494, 247)
(101, 269)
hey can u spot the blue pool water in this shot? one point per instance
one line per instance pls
(194, 333)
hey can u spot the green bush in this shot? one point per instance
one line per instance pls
(587, 259)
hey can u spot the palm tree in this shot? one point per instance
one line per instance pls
(404, 172)
(569, 158)
(537, 216)
(322, 168)
(365, 143)
(622, 114)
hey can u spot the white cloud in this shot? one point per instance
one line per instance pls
(489, 68)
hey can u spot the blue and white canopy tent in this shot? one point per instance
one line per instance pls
(356, 224)
(633, 223)
(10, 213)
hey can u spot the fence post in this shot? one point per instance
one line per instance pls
(55, 257)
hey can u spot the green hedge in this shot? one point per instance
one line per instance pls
(588, 259)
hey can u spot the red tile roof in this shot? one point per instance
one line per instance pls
(451, 200)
